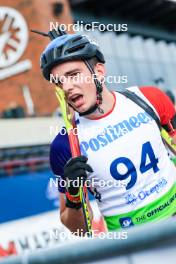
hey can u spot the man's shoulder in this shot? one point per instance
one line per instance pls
(60, 152)
(60, 142)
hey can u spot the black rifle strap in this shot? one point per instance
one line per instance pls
(139, 101)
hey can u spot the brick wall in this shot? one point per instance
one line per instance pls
(38, 14)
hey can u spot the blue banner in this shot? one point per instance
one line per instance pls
(27, 194)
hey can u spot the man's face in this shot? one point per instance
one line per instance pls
(76, 81)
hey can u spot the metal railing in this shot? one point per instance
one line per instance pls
(139, 238)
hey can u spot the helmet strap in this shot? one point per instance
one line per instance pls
(99, 90)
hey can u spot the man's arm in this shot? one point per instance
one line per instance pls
(60, 155)
(73, 218)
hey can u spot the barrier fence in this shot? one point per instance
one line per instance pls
(139, 239)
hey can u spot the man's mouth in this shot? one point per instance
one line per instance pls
(77, 100)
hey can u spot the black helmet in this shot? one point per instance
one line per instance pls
(68, 47)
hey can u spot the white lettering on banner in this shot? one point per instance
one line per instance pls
(41, 231)
(31, 233)
(35, 241)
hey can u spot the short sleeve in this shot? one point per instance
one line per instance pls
(60, 153)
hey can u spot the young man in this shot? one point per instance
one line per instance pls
(122, 150)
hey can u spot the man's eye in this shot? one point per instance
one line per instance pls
(74, 74)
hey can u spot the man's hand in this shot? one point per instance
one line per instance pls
(75, 172)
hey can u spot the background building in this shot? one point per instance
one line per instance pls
(146, 51)
(23, 88)
(139, 46)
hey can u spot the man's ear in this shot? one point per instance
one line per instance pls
(100, 71)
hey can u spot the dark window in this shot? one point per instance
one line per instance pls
(57, 9)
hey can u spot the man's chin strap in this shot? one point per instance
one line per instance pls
(99, 90)
(90, 111)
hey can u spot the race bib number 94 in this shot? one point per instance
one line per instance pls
(145, 165)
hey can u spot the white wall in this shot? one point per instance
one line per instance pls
(28, 131)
